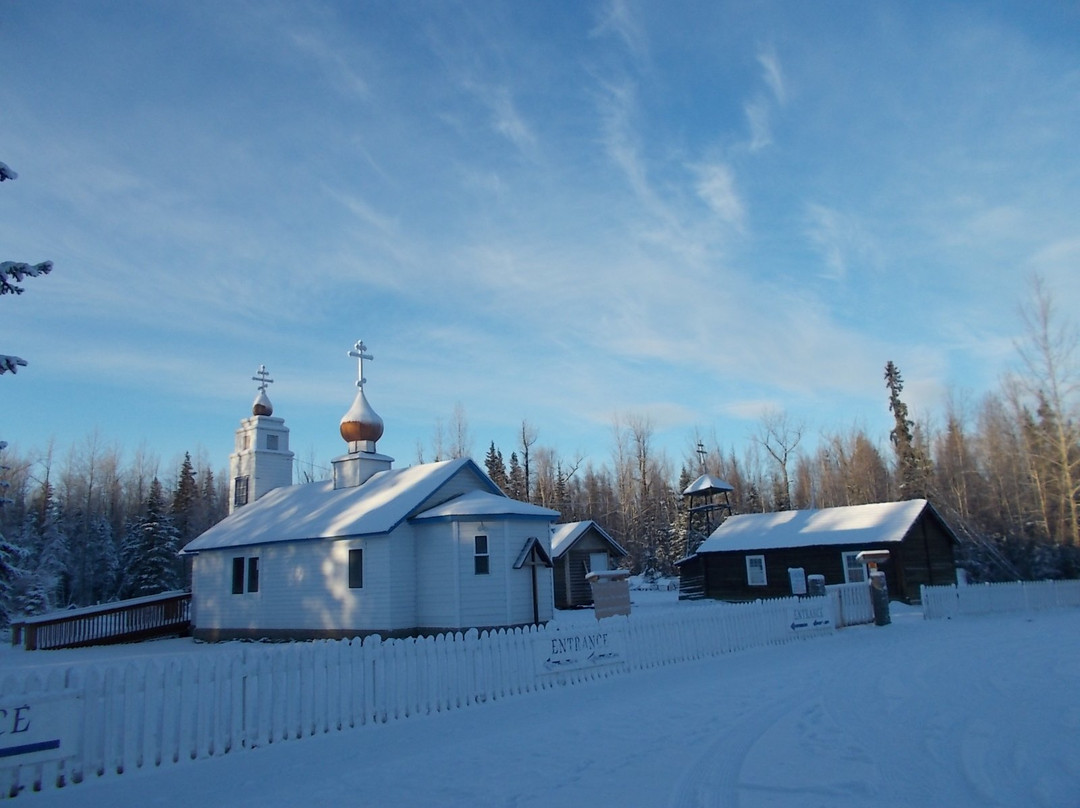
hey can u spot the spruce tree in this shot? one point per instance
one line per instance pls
(185, 502)
(496, 468)
(12, 558)
(913, 467)
(150, 549)
(51, 570)
(515, 482)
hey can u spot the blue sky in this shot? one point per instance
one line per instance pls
(555, 211)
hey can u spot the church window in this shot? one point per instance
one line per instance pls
(240, 491)
(238, 576)
(253, 574)
(356, 569)
(240, 582)
(272, 442)
(481, 559)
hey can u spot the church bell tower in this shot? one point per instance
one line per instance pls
(262, 460)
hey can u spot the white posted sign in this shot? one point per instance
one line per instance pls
(39, 727)
(561, 650)
(811, 614)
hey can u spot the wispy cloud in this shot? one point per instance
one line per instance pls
(757, 116)
(772, 73)
(716, 186)
(617, 19)
(841, 241)
(333, 63)
(507, 120)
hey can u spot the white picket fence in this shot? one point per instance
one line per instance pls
(174, 709)
(852, 604)
(945, 602)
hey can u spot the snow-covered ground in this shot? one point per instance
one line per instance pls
(971, 712)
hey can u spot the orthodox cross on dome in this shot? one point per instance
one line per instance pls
(360, 352)
(701, 455)
(262, 376)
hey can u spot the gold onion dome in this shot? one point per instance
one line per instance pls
(361, 422)
(262, 405)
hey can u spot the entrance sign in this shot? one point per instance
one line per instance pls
(35, 728)
(811, 614)
(561, 650)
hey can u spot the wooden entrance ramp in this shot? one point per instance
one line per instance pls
(164, 615)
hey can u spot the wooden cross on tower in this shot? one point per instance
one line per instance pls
(360, 352)
(262, 376)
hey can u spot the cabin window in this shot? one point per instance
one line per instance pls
(481, 559)
(240, 565)
(854, 570)
(755, 571)
(356, 569)
(240, 491)
(272, 442)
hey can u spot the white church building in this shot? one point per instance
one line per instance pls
(398, 552)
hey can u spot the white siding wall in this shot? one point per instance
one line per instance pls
(400, 578)
(303, 585)
(436, 578)
(503, 597)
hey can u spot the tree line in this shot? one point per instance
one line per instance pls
(1004, 472)
(93, 530)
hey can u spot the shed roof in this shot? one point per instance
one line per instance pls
(319, 511)
(853, 524)
(564, 536)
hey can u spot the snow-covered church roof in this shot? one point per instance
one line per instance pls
(853, 524)
(319, 511)
(478, 504)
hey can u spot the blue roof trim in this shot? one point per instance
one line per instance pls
(476, 517)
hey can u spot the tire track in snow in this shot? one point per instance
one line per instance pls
(711, 780)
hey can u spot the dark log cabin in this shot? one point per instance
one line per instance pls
(749, 555)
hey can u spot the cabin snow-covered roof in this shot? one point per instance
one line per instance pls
(478, 504)
(319, 511)
(853, 524)
(563, 536)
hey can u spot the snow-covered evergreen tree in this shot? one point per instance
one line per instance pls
(12, 274)
(150, 549)
(12, 558)
(184, 509)
(51, 572)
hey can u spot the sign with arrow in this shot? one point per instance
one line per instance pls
(811, 614)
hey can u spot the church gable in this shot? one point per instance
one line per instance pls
(464, 480)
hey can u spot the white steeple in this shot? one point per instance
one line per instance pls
(262, 460)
